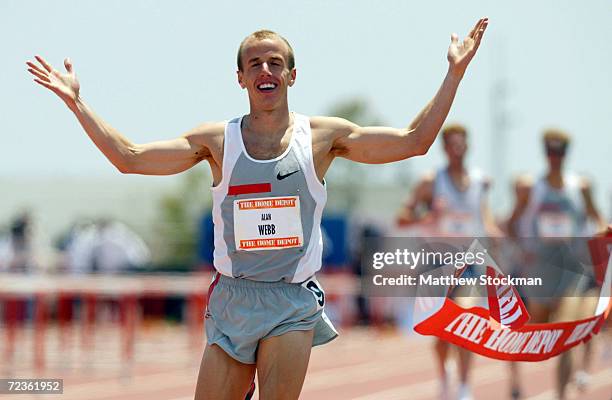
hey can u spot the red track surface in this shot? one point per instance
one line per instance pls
(362, 364)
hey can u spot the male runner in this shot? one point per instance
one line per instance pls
(452, 202)
(548, 215)
(265, 307)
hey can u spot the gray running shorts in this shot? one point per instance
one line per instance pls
(242, 312)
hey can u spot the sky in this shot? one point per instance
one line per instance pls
(155, 69)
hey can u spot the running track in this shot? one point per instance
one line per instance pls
(363, 364)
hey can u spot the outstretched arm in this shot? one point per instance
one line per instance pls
(377, 145)
(157, 158)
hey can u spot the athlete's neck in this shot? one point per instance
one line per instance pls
(458, 175)
(555, 178)
(269, 121)
(455, 167)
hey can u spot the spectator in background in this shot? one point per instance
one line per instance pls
(16, 249)
(5, 251)
(17, 256)
(117, 248)
(105, 246)
(367, 232)
(75, 247)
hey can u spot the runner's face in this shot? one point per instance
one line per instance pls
(555, 155)
(555, 162)
(455, 146)
(265, 73)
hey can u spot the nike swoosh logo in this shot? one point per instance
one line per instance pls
(281, 177)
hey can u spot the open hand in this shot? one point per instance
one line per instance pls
(65, 85)
(461, 53)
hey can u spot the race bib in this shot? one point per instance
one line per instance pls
(268, 223)
(555, 225)
(315, 288)
(461, 224)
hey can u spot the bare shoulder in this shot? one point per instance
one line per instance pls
(584, 183)
(328, 134)
(208, 135)
(523, 183)
(331, 127)
(428, 177)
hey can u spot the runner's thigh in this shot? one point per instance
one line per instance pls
(282, 362)
(539, 312)
(221, 377)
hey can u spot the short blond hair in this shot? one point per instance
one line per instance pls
(263, 34)
(556, 135)
(452, 129)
